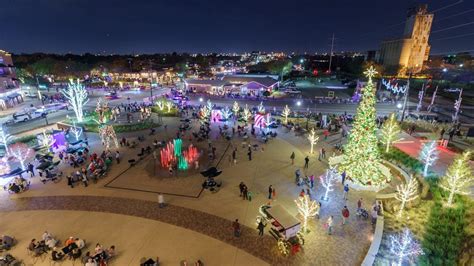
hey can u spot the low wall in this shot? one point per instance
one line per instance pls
(376, 241)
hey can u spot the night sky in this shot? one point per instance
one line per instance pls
(156, 26)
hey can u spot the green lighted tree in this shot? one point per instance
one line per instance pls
(361, 156)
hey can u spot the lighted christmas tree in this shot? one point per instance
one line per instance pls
(361, 159)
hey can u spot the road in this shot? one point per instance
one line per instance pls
(125, 97)
(138, 96)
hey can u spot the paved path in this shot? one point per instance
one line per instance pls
(211, 225)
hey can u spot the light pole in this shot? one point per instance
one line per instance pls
(405, 102)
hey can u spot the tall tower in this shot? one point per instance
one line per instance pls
(418, 28)
(408, 53)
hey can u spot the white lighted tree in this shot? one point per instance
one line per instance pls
(209, 105)
(328, 180)
(458, 177)
(307, 208)
(161, 105)
(169, 105)
(46, 140)
(21, 152)
(205, 112)
(76, 131)
(246, 114)
(286, 112)
(406, 192)
(261, 108)
(404, 247)
(76, 95)
(313, 139)
(390, 131)
(5, 139)
(236, 109)
(226, 113)
(429, 155)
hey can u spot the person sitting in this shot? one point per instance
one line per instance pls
(56, 255)
(50, 242)
(69, 241)
(75, 254)
(6, 242)
(46, 235)
(80, 243)
(86, 257)
(110, 252)
(91, 262)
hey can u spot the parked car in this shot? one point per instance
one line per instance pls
(52, 107)
(26, 115)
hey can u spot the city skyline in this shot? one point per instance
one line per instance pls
(148, 27)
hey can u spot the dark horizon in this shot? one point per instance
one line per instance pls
(147, 27)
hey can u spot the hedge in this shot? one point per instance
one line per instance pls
(445, 233)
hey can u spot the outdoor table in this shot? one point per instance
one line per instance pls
(69, 248)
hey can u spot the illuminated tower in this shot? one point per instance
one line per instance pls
(408, 53)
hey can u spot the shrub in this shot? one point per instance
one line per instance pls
(444, 235)
(164, 113)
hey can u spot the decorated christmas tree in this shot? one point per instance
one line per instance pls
(361, 159)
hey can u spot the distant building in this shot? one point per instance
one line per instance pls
(370, 55)
(410, 52)
(8, 78)
(10, 93)
(243, 84)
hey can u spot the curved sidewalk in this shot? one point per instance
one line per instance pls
(207, 224)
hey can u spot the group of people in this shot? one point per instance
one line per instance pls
(72, 249)
(17, 185)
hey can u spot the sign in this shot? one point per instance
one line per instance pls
(331, 94)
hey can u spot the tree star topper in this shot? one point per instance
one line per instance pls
(370, 72)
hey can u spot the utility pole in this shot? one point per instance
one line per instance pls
(330, 56)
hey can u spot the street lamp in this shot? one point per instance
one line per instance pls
(201, 99)
(298, 103)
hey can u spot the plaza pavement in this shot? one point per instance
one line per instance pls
(347, 246)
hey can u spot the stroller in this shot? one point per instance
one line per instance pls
(362, 213)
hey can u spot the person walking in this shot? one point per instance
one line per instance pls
(343, 177)
(345, 214)
(245, 193)
(292, 157)
(306, 162)
(236, 228)
(234, 156)
(323, 153)
(69, 181)
(31, 169)
(270, 192)
(346, 191)
(260, 228)
(320, 154)
(161, 200)
(359, 204)
(117, 157)
(329, 225)
(273, 193)
(84, 180)
(311, 181)
(249, 153)
(241, 188)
